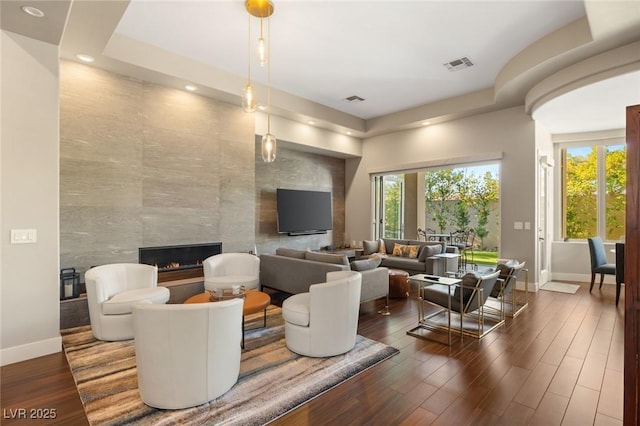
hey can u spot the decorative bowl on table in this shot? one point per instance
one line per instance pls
(226, 293)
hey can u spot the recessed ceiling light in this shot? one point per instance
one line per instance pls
(191, 87)
(33, 11)
(85, 58)
(311, 122)
(348, 133)
(426, 123)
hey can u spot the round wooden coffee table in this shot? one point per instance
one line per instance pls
(254, 301)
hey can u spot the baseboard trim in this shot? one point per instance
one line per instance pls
(583, 278)
(30, 350)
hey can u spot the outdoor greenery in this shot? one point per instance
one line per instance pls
(485, 257)
(453, 196)
(581, 186)
(392, 206)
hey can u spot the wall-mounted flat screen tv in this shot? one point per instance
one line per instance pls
(304, 212)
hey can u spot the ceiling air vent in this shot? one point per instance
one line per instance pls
(459, 64)
(354, 98)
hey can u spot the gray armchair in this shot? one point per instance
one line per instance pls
(468, 299)
(505, 288)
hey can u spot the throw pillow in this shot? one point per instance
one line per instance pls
(382, 248)
(402, 250)
(370, 247)
(429, 250)
(365, 264)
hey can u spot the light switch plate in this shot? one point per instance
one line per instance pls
(527, 226)
(517, 225)
(24, 236)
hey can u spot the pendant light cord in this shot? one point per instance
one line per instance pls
(268, 74)
(249, 50)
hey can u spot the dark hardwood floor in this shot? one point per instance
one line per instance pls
(559, 362)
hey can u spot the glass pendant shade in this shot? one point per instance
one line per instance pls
(268, 148)
(249, 99)
(262, 52)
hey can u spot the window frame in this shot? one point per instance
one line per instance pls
(601, 145)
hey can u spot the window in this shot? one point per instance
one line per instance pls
(594, 191)
(389, 196)
(444, 200)
(464, 198)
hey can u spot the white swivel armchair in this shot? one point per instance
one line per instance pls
(188, 354)
(324, 321)
(113, 289)
(227, 269)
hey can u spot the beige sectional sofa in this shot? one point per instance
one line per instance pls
(293, 271)
(415, 257)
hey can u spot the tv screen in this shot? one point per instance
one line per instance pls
(304, 212)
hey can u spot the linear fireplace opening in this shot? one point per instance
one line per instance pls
(186, 257)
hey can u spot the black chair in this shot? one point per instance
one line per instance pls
(424, 233)
(464, 241)
(619, 269)
(599, 263)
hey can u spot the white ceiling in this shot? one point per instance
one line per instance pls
(391, 53)
(598, 106)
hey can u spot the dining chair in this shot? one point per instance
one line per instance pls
(619, 269)
(599, 263)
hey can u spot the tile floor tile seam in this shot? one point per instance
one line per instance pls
(546, 389)
(598, 405)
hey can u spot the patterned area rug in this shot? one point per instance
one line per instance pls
(273, 380)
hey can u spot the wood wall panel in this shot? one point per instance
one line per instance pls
(632, 271)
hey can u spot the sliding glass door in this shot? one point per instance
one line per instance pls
(389, 206)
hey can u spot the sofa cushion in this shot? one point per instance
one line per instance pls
(403, 263)
(365, 264)
(295, 309)
(429, 250)
(370, 247)
(122, 303)
(404, 250)
(338, 259)
(289, 252)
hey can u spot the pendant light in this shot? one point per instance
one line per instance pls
(264, 9)
(268, 140)
(249, 99)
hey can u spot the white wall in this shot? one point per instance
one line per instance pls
(508, 133)
(29, 146)
(570, 261)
